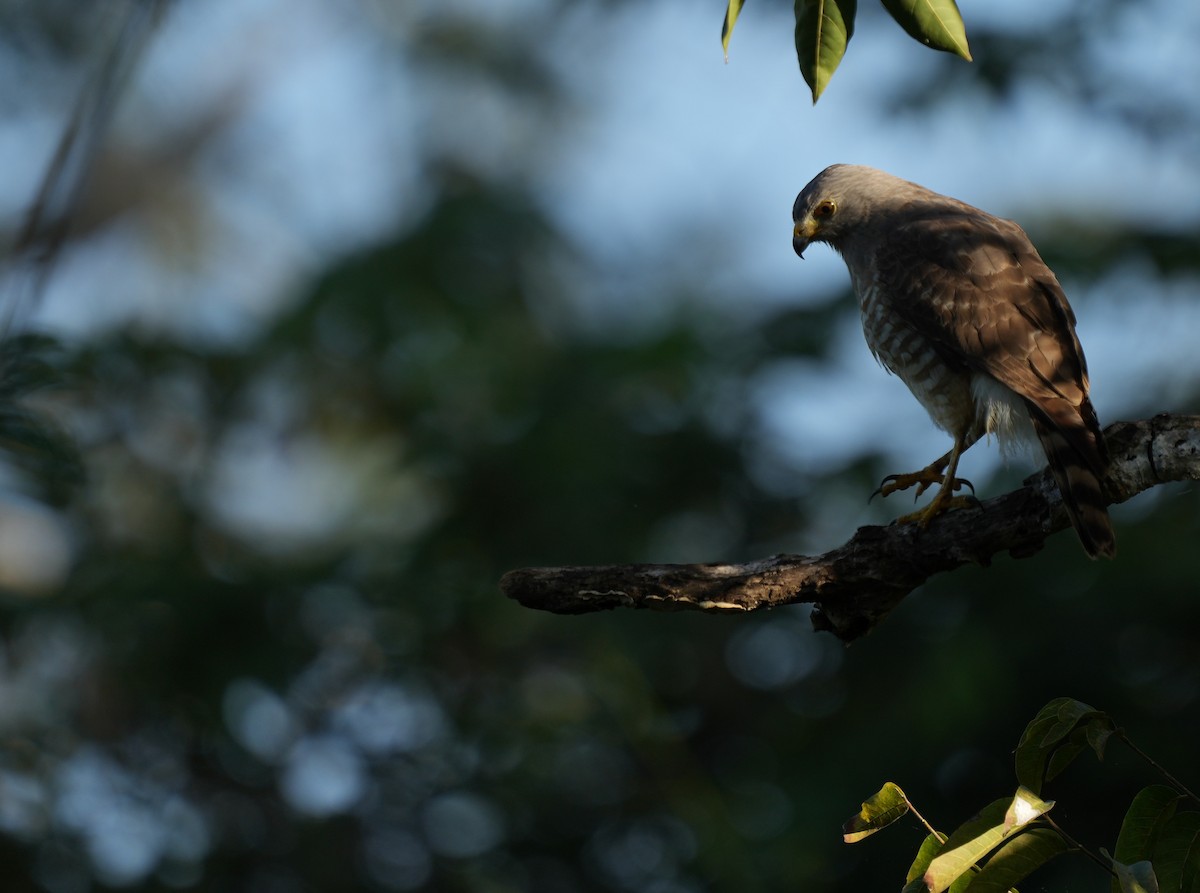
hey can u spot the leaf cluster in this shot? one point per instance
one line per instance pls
(1157, 848)
(824, 29)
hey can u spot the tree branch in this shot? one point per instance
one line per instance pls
(855, 585)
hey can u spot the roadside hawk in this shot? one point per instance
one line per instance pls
(961, 307)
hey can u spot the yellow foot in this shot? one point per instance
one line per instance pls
(941, 503)
(922, 480)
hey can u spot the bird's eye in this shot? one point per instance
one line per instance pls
(824, 210)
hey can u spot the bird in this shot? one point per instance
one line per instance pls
(961, 307)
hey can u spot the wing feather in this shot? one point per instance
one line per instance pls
(976, 288)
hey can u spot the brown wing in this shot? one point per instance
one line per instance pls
(976, 287)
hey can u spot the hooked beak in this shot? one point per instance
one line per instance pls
(802, 235)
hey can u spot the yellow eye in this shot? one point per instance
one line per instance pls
(824, 210)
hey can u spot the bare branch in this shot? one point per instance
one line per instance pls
(855, 585)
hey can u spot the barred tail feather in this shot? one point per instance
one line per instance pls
(1076, 454)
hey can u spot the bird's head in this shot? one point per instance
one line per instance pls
(840, 200)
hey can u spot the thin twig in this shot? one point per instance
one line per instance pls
(1106, 864)
(938, 834)
(1175, 782)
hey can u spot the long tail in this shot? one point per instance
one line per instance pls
(1077, 455)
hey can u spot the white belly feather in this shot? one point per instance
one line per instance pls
(957, 403)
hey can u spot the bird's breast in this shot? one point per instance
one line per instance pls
(944, 390)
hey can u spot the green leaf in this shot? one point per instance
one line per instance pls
(1025, 807)
(878, 811)
(1045, 730)
(991, 816)
(1097, 737)
(1189, 881)
(1149, 812)
(1064, 725)
(961, 884)
(823, 29)
(1136, 878)
(1063, 755)
(1017, 858)
(930, 847)
(977, 837)
(1068, 714)
(1177, 852)
(953, 863)
(732, 11)
(935, 23)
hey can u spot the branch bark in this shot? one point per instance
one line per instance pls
(854, 586)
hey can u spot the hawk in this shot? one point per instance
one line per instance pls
(958, 304)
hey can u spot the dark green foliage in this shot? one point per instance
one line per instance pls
(1011, 838)
(1055, 737)
(31, 439)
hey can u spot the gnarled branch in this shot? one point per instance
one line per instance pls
(855, 585)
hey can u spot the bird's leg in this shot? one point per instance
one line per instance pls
(941, 472)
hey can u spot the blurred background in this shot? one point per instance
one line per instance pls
(364, 303)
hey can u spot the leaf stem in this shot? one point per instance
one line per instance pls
(1175, 782)
(1075, 844)
(938, 834)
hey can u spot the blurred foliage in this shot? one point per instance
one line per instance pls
(31, 440)
(280, 661)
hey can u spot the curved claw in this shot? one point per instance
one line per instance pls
(922, 480)
(893, 483)
(940, 471)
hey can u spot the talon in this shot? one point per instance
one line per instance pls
(939, 472)
(922, 480)
(938, 506)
